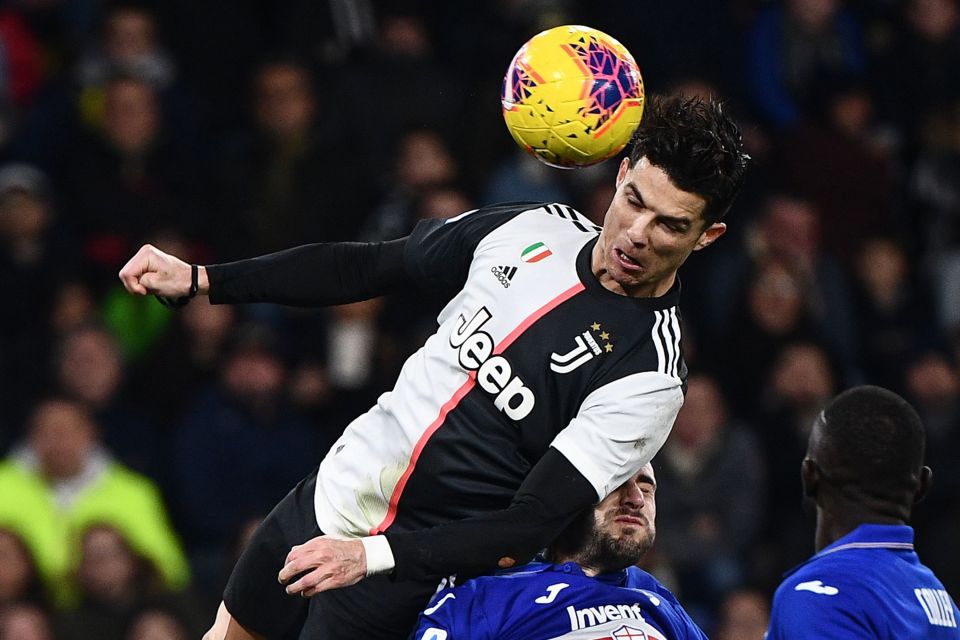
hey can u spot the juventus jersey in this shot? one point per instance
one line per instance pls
(532, 352)
(551, 602)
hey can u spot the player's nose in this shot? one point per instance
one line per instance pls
(639, 230)
(631, 496)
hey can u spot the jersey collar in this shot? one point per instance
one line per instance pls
(617, 578)
(894, 537)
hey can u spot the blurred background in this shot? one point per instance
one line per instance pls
(140, 445)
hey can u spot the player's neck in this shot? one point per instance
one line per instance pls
(838, 521)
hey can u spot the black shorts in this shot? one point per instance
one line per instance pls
(376, 607)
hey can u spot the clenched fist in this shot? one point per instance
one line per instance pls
(153, 272)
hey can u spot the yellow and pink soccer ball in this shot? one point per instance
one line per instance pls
(572, 96)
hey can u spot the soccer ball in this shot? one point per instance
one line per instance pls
(572, 96)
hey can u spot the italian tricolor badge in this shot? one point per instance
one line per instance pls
(535, 252)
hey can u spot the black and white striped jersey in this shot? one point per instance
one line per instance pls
(531, 353)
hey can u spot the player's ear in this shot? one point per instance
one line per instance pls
(925, 479)
(622, 171)
(710, 235)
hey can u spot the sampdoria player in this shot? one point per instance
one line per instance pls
(535, 398)
(585, 586)
(864, 470)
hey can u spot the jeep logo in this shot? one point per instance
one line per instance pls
(494, 373)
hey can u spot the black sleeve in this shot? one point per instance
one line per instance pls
(313, 274)
(439, 251)
(551, 496)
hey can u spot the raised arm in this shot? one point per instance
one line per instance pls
(437, 255)
(309, 275)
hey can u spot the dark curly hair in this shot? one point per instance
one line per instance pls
(697, 145)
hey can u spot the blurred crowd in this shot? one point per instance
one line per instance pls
(141, 445)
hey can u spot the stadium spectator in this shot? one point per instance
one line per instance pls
(712, 469)
(408, 74)
(802, 381)
(424, 163)
(915, 72)
(934, 204)
(22, 59)
(839, 163)
(128, 176)
(786, 232)
(240, 437)
(776, 313)
(744, 615)
(90, 369)
(586, 582)
(793, 45)
(893, 312)
(31, 258)
(277, 185)
(62, 479)
(159, 623)
(522, 177)
(19, 575)
(933, 385)
(73, 307)
(188, 356)
(130, 44)
(112, 580)
(864, 470)
(25, 622)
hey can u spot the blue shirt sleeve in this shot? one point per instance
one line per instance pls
(454, 614)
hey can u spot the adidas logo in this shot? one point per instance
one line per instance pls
(504, 275)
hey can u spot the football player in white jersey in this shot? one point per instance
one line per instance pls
(555, 374)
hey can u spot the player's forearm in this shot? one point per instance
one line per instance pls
(312, 275)
(552, 495)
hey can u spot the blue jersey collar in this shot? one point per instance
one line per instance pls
(895, 537)
(618, 578)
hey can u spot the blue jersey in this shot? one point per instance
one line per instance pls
(543, 601)
(868, 584)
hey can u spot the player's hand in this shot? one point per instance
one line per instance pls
(331, 564)
(152, 271)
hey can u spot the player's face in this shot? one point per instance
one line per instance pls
(623, 527)
(628, 515)
(650, 229)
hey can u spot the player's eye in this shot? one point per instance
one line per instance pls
(675, 226)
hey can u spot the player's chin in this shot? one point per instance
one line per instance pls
(629, 535)
(632, 532)
(629, 280)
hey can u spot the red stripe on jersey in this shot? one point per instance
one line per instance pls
(458, 395)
